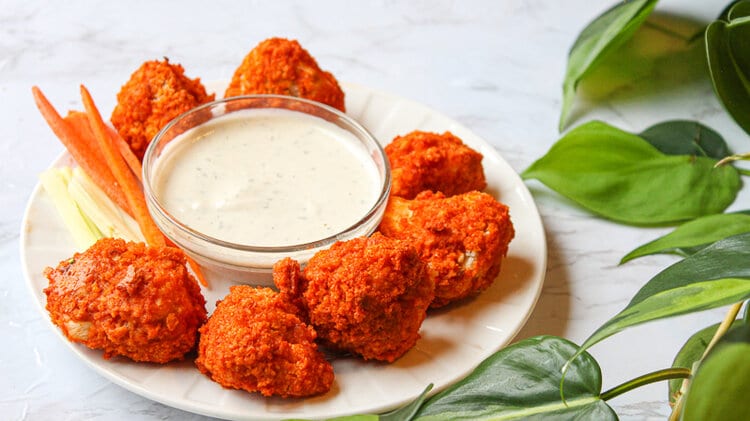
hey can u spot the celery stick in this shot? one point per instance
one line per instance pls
(54, 182)
(108, 217)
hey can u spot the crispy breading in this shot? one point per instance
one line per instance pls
(463, 239)
(127, 299)
(368, 296)
(255, 341)
(282, 67)
(287, 276)
(156, 92)
(431, 161)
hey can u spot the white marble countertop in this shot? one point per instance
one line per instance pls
(495, 66)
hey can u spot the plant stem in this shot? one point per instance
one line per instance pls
(724, 326)
(736, 157)
(720, 331)
(653, 377)
(732, 158)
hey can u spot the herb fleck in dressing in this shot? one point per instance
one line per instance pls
(267, 178)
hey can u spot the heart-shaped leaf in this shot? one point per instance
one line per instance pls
(522, 381)
(728, 54)
(602, 36)
(622, 177)
(693, 236)
(685, 137)
(690, 353)
(715, 276)
(718, 391)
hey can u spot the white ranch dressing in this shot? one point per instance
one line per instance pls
(267, 177)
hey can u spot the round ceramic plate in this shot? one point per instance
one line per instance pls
(453, 340)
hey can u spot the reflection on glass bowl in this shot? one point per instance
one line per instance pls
(243, 182)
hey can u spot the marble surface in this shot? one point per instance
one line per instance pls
(495, 66)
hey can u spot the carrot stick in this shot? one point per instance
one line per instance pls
(197, 270)
(86, 155)
(127, 154)
(115, 171)
(129, 183)
(80, 121)
(128, 180)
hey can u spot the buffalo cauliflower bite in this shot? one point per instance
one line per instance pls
(463, 239)
(157, 92)
(431, 161)
(127, 299)
(255, 341)
(368, 296)
(282, 67)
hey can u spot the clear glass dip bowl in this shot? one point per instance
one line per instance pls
(246, 263)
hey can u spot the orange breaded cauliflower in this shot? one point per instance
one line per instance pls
(282, 67)
(157, 92)
(255, 341)
(287, 277)
(462, 238)
(368, 296)
(127, 299)
(437, 162)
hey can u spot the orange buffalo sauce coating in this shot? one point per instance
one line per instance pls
(463, 239)
(255, 341)
(282, 67)
(431, 161)
(368, 296)
(156, 92)
(127, 299)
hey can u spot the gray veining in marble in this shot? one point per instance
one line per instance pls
(495, 66)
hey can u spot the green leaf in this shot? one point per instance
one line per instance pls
(407, 412)
(693, 236)
(715, 276)
(602, 36)
(719, 389)
(739, 332)
(738, 9)
(522, 381)
(724, 15)
(685, 137)
(690, 353)
(728, 54)
(620, 176)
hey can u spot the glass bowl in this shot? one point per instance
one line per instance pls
(243, 261)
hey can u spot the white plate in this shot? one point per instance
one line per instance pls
(453, 342)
